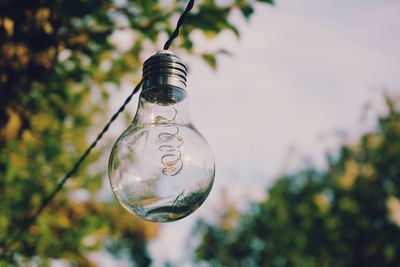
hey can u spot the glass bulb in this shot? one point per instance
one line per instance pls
(161, 168)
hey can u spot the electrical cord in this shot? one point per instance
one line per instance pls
(5, 254)
(181, 20)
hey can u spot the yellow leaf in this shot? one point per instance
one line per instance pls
(393, 205)
(322, 202)
(12, 127)
(8, 25)
(350, 174)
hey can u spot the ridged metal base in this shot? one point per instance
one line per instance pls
(164, 69)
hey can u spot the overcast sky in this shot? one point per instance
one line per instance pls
(300, 72)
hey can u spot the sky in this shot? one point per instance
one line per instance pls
(295, 87)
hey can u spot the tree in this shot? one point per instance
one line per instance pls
(57, 69)
(346, 215)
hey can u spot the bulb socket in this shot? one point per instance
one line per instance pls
(164, 69)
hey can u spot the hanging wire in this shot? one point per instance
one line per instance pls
(31, 220)
(181, 20)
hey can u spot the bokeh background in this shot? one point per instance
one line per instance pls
(299, 101)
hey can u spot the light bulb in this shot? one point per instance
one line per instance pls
(161, 168)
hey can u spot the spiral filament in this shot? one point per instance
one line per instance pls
(172, 156)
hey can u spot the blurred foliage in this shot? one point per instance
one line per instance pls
(59, 61)
(346, 215)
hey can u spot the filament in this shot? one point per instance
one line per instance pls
(171, 159)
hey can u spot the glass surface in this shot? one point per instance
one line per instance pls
(161, 168)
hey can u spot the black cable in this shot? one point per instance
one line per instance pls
(31, 220)
(181, 20)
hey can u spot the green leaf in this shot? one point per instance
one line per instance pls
(247, 11)
(224, 52)
(267, 1)
(211, 60)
